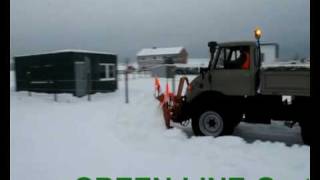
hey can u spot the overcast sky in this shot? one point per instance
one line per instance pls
(125, 26)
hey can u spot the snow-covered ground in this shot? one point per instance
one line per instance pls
(108, 138)
(286, 64)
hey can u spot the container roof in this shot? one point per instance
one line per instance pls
(159, 51)
(70, 51)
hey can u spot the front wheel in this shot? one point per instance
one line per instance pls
(210, 123)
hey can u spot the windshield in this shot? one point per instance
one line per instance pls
(224, 53)
(219, 56)
(211, 63)
(232, 57)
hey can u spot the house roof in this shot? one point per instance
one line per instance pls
(159, 51)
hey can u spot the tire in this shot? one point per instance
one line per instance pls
(305, 133)
(209, 122)
(303, 113)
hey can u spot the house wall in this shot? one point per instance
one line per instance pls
(182, 57)
(145, 62)
(153, 60)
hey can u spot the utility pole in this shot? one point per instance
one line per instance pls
(29, 83)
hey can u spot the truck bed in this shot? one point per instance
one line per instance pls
(285, 79)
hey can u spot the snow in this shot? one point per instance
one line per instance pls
(121, 67)
(290, 64)
(105, 137)
(159, 51)
(12, 80)
(195, 62)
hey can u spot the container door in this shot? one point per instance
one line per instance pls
(81, 78)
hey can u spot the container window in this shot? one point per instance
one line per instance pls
(111, 71)
(102, 71)
(107, 72)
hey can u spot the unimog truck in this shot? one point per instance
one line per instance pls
(236, 87)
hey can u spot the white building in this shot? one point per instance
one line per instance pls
(150, 57)
(269, 52)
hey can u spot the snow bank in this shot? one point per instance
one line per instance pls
(286, 65)
(12, 80)
(106, 137)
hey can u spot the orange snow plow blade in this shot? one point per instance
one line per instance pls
(171, 104)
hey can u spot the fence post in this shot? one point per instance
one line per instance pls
(173, 84)
(29, 83)
(126, 82)
(55, 89)
(126, 86)
(88, 86)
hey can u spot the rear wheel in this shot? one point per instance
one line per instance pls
(303, 113)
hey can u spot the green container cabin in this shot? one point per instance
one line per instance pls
(67, 71)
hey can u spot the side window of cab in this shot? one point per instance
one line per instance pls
(238, 58)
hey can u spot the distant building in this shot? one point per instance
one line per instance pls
(269, 52)
(150, 57)
(193, 66)
(79, 72)
(122, 68)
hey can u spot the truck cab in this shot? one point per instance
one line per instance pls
(226, 73)
(234, 87)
